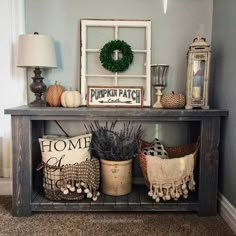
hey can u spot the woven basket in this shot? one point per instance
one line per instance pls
(55, 178)
(173, 152)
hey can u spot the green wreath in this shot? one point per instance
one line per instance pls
(120, 64)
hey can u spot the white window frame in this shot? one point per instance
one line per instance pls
(85, 23)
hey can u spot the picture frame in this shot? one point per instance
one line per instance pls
(115, 96)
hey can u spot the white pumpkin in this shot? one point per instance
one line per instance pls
(70, 99)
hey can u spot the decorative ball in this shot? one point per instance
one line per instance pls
(66, 191)
(79, 190)
(184, 186)
(185, 191)
(177, 195)
(173, 101)
(53, 95)
(98, 194)
(95, 198)
(157, 199)
(167, 197)
(70, 99)
(150, 193)
(86, 190)
(72, 189)
(89, 195)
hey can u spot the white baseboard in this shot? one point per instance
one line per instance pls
(227, 211)
(5, 186)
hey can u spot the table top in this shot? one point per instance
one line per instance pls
(112, 112)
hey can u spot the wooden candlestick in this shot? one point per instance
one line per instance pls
(158, 104)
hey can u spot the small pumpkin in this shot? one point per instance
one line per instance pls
(173, 100)
(53, 95)
(70, 98)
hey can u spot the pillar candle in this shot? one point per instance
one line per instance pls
(196, 92)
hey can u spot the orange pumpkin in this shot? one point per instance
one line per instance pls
(173, 101)
(53, 95)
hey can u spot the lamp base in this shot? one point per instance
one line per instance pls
(38, 103)
(158, 104)
(38, 88)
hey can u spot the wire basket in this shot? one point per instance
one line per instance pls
(173, 152)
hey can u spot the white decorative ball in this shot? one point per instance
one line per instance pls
(66, 191)
(89, 195)
(86, 190)
(79, 190)
(185, 191)
(184, 186)
(167, 197)
(95, 198)
(72, 189)
(157, 199)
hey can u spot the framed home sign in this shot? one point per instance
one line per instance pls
(116, 96)
(111, 55)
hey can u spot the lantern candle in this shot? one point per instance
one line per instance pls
(197, 92)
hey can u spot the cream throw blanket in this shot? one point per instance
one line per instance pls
(170, 178)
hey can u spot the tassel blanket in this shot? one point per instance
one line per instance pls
(170, 178)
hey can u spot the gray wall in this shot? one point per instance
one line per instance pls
(224, 61)
(172, 34)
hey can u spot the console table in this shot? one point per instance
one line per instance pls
(28, 125)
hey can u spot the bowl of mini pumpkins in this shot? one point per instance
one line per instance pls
(173, 100)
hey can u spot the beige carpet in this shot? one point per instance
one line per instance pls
(110, 224)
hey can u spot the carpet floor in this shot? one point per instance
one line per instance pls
(108, 223)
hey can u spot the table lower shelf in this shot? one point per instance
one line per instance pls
(137, 200)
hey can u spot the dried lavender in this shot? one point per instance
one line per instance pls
(109, 144)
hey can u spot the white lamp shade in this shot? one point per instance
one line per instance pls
(35, 50)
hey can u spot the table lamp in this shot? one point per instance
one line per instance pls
(36, 51)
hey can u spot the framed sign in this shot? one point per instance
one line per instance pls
(114, 96)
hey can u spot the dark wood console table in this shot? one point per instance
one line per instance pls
(28, 125)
